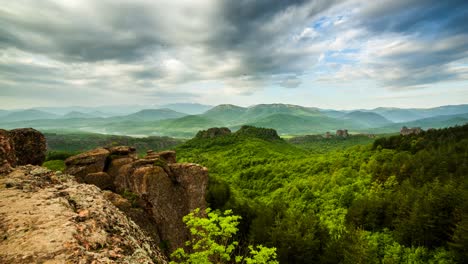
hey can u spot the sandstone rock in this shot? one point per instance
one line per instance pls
(123, 151)
(410, 131)
(100, 179)
(30, 146)
(7, 152)
(167, 190)
(62, 221)
(169, 156)
(88, 162)
(342, 133)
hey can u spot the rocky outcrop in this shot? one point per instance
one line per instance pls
(166, 189)
(342, 133)
(410, 131)
(30, 146)
(46, 217)
(20, 147)
(213, 132)
(7, 152)
(85, 163)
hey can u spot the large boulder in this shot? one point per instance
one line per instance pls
(30, 146)
(88, 162)
(7, 152)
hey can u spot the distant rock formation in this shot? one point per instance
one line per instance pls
(20, 147)
(258, 132)
(342, 133)
(213, 132)
(410, 131)
(168, 190)
(328, 135)
(47, 217)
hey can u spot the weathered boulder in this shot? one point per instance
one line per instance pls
(88, 162)
(100, 179)
(169, 156)
(46, 218)
(30, 146)
(7, 152)
(123, 151)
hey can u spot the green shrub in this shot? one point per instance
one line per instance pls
(55, 165)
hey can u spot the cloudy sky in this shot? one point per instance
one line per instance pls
(323, 53)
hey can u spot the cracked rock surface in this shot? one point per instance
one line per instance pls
(48, 217)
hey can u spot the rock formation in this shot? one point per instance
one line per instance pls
(7, 152)
(213, 132)
(342, 133)
(47, 217)
(410, 131)
(167, 190)
(20, 147)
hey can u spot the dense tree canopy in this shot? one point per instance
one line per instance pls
(402, 199)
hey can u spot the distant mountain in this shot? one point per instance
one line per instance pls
(29, 114)
(231, 115)
(333, 113)
(297, 125)
(286, 119)
(155, 114)
(76, 114)
(426, 123)
(225, 113)
(264, 110)
(188, 108)
(366, 119)
(399, 115)
(411, 114)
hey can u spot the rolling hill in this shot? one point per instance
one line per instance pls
(154, 114)
(76, 114)
(29, 114)
(286, 119)
(366, 119)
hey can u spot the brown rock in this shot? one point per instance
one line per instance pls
(67, 222)
(30, 146)
(7, 152)
(89, 162)
(410, 131)
(342, 133)
(167, 190)
(169, 156)
(123, 151)
(100, 179)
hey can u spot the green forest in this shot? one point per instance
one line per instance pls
(400, 199)
(355, 199)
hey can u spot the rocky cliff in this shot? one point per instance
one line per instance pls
(109, 206)
(20, 147)
(167, 190)
(47, 217)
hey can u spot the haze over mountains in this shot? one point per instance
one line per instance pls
(184, 120)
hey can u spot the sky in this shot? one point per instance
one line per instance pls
(324, 53)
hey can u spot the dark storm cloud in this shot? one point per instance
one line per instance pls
(421, 16)
(159, 48)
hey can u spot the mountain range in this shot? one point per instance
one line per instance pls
(285, 118)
